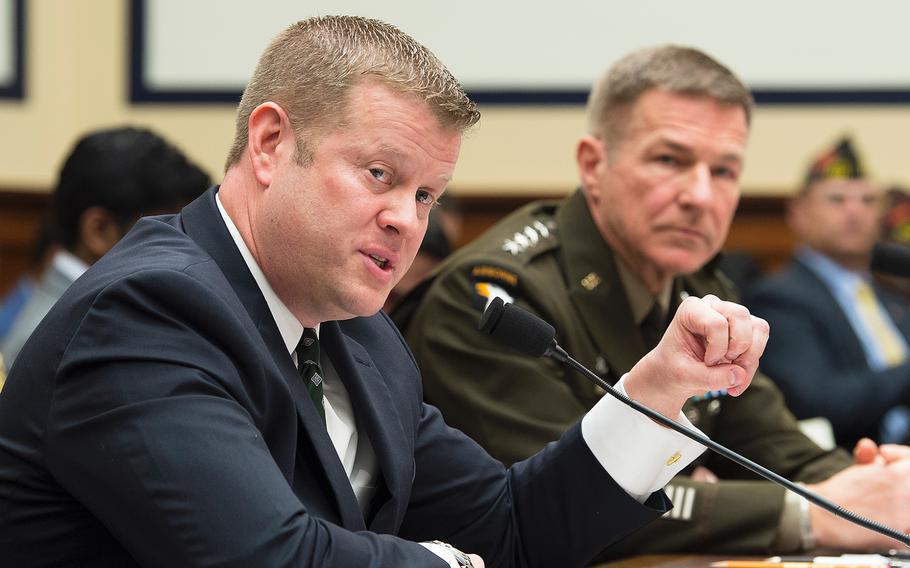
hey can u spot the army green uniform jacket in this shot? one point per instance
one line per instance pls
(550, 258)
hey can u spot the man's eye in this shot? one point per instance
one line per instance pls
(380, 174)
(724, 172)
(667, 160)
(424, 197)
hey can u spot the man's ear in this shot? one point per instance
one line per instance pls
(591, 156)
(270, 140)
(99, 231)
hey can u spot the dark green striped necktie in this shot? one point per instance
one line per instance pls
(308, 366)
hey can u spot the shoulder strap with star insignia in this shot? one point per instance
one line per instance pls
(535, 234)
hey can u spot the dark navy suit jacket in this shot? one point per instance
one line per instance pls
(156, 418)
(817, 359)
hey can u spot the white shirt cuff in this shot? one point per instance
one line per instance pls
(442, 552)
(639, 454)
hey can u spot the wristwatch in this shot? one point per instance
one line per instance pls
(462, 559)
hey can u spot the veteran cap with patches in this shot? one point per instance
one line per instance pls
(838, 162)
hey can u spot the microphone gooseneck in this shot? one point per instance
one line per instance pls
(526, 333)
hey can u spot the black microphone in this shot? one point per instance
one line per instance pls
(526, 333)
(520, 330)
(890, 258)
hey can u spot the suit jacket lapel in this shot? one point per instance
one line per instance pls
(202, 221)
(375, 412)
(600, 297)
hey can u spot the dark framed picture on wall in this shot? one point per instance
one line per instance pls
(12, 49)
(516, 55)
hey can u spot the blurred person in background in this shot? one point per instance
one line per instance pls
(896, 230)
(13, 302)
(109, 180)
(16, 298)
(839, 342)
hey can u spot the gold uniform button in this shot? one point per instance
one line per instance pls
(674, 458)
(591, 281)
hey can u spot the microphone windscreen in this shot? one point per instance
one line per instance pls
(517, 328)
(891, 258)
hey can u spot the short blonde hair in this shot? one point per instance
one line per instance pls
(310, 68)
(681, 70)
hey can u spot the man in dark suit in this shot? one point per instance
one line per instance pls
(158, 417)
(839, 348)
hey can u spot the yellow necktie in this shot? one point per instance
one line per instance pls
(870, 311)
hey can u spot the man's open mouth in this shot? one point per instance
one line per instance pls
(380, 261)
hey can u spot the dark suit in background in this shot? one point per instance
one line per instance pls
(816, 358)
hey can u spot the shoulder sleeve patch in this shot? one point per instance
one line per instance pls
(491, 281)
(486, 291)
(490, 273)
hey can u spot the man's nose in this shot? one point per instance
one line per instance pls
(697, 190)
(399, 213)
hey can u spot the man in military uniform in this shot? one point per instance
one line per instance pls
(607, 266)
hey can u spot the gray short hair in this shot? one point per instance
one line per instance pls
(310, 68)
(676, 69)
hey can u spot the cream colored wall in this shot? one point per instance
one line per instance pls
(77, 80)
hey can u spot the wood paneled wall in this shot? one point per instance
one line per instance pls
(758, 228)
(21, 213)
